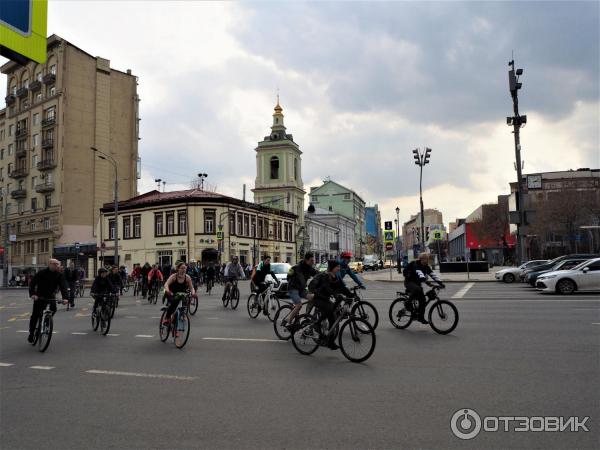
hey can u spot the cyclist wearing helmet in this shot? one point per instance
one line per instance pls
(101, 286)
(345, 269)
(179, 282)
(233, 271)
(415, 274)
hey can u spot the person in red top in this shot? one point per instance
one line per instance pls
(155, 273)
(136, 272)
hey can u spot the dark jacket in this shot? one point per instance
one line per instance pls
(145, 270)
(324, 286)
(71, 275)
(45, 282)
(115, 279)
(261, 273)
(415, 272)
(103, 285)
(299, 275)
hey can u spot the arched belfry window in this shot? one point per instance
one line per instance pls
(274, 167)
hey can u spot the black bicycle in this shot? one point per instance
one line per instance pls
(231, 296)
(43, 331)
(153, 291)
(79, 288)
(363, 309)
(356, 336)
(282, 324)
(101, 316)
(179, 323)
(137, 287)
(210, 282)
(443, 315)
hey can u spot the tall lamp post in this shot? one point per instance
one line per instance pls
(421, 159)
(202, 176)
(110, 159)
(397, 233)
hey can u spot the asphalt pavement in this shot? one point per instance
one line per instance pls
(514, 353)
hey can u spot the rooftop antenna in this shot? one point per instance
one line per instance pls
(157, 181)
(164, 185)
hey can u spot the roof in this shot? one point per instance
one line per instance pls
(316, 188)
(155, 198)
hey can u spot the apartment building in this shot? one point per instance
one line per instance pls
(52, 184)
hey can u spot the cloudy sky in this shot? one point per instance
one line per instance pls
(361, 84)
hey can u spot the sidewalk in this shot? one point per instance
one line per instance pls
(457, 277)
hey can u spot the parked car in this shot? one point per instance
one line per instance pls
(280, 270)
(370, 263)
(584, 277)
(550, 264)
(565, 264)
(510, 274)
(357, 266)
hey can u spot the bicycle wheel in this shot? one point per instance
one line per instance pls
(357, 339)
(81, 291)
(163, 329)
(443, 317)
(272, 306)
(282, 314)
(193, 305)
(112, 307)
(182, 331)
(46, 332)
(400, 317)
(155, 297)
(305, 338)
(252, 306)
(366, 311)
(235, 298)
(95, 320)
(105, 319)
(226, 297)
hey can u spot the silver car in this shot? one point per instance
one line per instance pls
(280, 270)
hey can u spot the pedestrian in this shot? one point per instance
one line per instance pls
(71, 277)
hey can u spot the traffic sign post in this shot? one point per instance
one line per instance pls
(388, 225)
(389, 236)
(23, 25)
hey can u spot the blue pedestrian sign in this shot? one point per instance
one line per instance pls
(23, 25)
(17, 15)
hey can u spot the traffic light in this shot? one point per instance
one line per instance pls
(388, 225)
(416, 156)
(427, 155)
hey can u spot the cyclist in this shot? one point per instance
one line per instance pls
(193, 273)
(345, 269)
(155, 276)
(102, 285)
(298, 277)
(210, 275)
(115, 278)
(42, 289)
(233, 271)
(178, 282)
(144, 272)
(123, 274)
(324, 286)
(71, 277)
(260, 273)
(415, 274)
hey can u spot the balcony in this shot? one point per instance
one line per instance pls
(21, 152)
(22, 92)
(21, 132)
(48, 186)
(49, 78)
(48, 121)
(18, 193)
(48, 143)
(46, 164)
(20, 172)
(10, 99)
(35, 86)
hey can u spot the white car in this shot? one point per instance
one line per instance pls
(584, 277)
(281, 271)
(510, 274)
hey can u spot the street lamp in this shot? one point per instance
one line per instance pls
(202, 176)
(110, 159)
(421, 159)
(397, 220)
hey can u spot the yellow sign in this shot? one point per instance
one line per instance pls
(389, 236)
(23, 25)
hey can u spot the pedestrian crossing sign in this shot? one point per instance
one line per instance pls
(389, 236)
(438, 235)
(220, 235)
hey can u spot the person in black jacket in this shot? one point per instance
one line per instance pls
(260, 273)
(42, 289)
(298, 277)
(115, 278)
(145, 270)
(324, 286)
(415, 274)
(71, 277)
(101, 286)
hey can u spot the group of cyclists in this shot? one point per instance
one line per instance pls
(304, 283)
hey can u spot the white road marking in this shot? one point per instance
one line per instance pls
(131, 317)
(6, 364)
(212, 318)
(4, 328)
(78, 333)
(463, 291)
(144, 335)
(22, 331)
(142, 375)
(155, 317)
(114, 335)
(241, 339)
(41, 367)
(595, 323)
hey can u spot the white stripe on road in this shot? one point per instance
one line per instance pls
(155, 317)
(131, 317)
(22, 331)
(144, 335)
(6, 364)
(212, 318)
(241, 339)
(464, 290)
(41, 367)
(78, 333)
(114, 335)
(142, 375)
(595, 323)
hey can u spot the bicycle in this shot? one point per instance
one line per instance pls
(137, 287)
(79, 289)
(101, 316)
(404, 309)
(363, 309)
(126, 284)
(353, 333)
(178, 325)
(266, 302)
(283, 328)
(153, 291)
(113, 303)
(43, 331)
(231, 296)
(209, 285)
(192, 303)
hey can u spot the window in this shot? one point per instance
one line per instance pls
(43, 246)
(246, 225)
(21, 206)
(17, 248)
(36, 118)
(52, 91)
(287, 232)
(36, 140)
(53, 69)
(277, 230)
(33, 225)
(11, 130)
(209, 221)
(274, 168)
(111, 229)
(1, 170)
(265, 228)
(181, 222)
(240, 224)
(39, 97)
(232, 223)
(33, 182)
(33, 204)
(46, 223)
(1, 135)
(158, 224)
(19, 227)
(346, 196)
(137, 226)
(183, 255)
(295, 169)
(38, 76)
(260, 228)
(34, 160)
(253, 226)
(170, 223)
(594, 267)
(29, 247)
(126, 227)
(2, 154)
(47, 201)
(10, 148)
(165, 258)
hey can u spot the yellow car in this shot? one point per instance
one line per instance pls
(357, 266)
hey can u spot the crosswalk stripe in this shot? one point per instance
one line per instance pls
(79, 333)
(41, 367)
(142, 375)
(5, 364)
(144, 335)
(241, 339)
(463, 291)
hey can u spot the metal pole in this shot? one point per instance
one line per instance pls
(116, 214)
(6, 243)
(422, 238)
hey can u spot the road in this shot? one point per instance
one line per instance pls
(514, 353)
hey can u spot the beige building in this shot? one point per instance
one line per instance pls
(411, 230)
(163, 227)
(53, 185)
